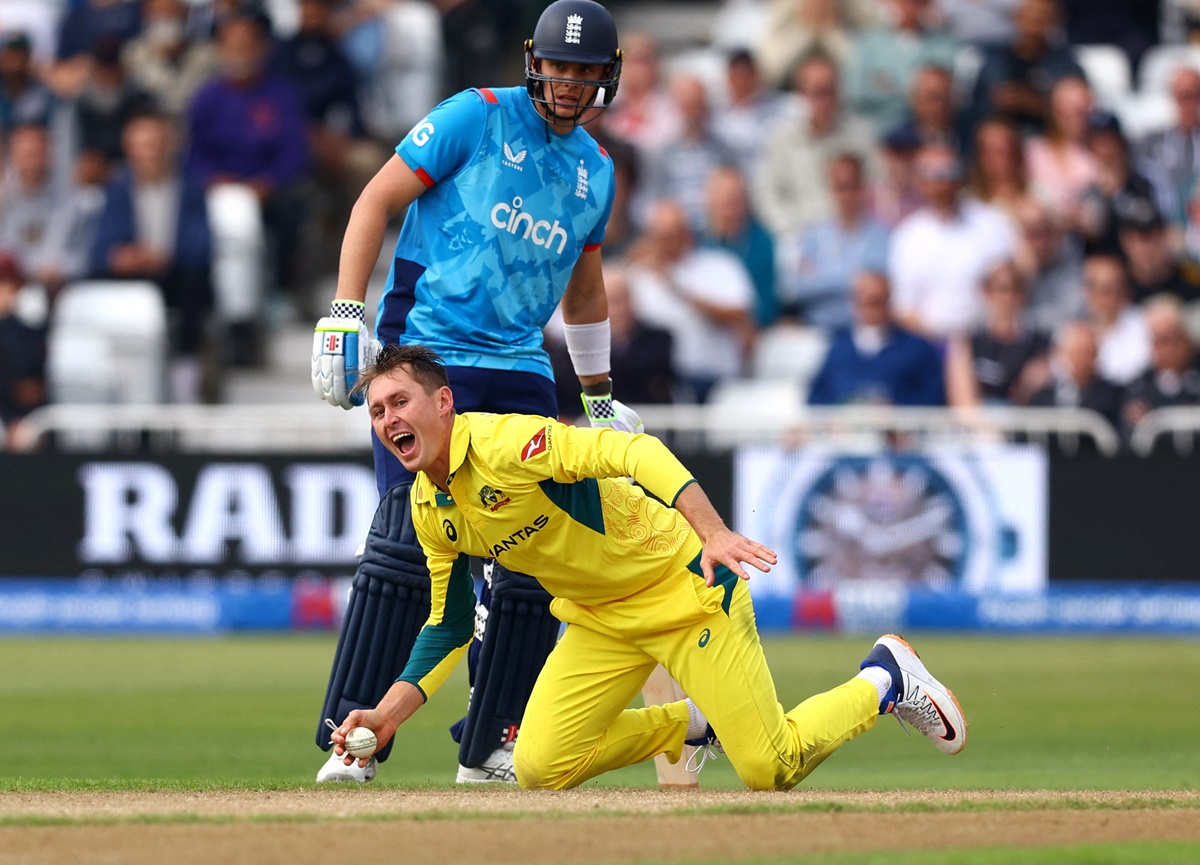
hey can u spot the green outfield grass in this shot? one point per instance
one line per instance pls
(1056, 713)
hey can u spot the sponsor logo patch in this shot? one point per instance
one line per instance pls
(514, 160)
(535, 446)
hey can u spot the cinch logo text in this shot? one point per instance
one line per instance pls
(510, 218)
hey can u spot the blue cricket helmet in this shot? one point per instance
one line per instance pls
(574, 31)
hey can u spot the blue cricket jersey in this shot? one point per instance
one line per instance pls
(485, 253)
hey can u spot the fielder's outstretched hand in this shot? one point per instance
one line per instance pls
(373, 720)
(726, 547)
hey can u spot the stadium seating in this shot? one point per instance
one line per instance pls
(107, 343)
(1107, 70)
(790, 352)
(1161, 61)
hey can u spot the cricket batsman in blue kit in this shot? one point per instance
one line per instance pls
(507, 200)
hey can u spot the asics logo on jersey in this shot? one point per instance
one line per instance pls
(514, 160)
(574, 29)
(422, 134)
(510, 218)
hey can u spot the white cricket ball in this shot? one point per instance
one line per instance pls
(361, 742)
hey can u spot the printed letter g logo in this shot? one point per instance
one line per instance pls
(421, 134)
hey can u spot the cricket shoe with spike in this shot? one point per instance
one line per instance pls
(496, 769)
(335, 770)
(916, 697)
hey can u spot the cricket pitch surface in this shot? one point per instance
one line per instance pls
(503, 825)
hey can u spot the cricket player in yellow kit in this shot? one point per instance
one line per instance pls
(638, 583)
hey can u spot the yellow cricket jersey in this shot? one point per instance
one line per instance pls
(549, 500)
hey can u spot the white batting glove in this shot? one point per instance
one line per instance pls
(342, 348)
(604, 411)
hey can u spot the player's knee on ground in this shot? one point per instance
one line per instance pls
(536, 773)
(763, 772)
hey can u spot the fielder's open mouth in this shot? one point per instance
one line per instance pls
(405, 442)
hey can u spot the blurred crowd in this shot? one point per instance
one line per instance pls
(915, 202)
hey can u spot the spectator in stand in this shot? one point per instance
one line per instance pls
(248, 143)
(644, 113)
(1117, 187)
(997, 175)
(641, 354)
(164, 62)
(895, 195)
(24, 99)
(1170, 159)
(680, 167)
(1061, 165)
(38, 21)
(875, 360)
(44, 221)
(790, 189)
(749, 110)
(86, 25)
(703, 297)
(730, 225)
(794, 29)
(1154, 268)
(470, 30)
(1190, 247)
(22, 351)
(1119, 325)
(1172, 378)
(1015, 79)
(819, 264)
(1051, 264)
(344, 157)
(1005, 361)
(107, 101)
(408, 55)
(982, 23)
(155, 227)
(932, 118)
(883, 64)
(940, 255)
(621, 229)
(1075, 380)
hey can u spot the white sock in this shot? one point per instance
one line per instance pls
(879, 677)
(697, 723)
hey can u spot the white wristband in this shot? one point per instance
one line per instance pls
(590, 347)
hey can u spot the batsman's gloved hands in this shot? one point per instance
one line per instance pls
(604, 411)
(342, 348)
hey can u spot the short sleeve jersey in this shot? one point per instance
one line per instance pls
(485, 253)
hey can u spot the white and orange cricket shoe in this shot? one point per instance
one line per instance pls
(916, 697)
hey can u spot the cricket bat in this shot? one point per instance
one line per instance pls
(661, 688)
